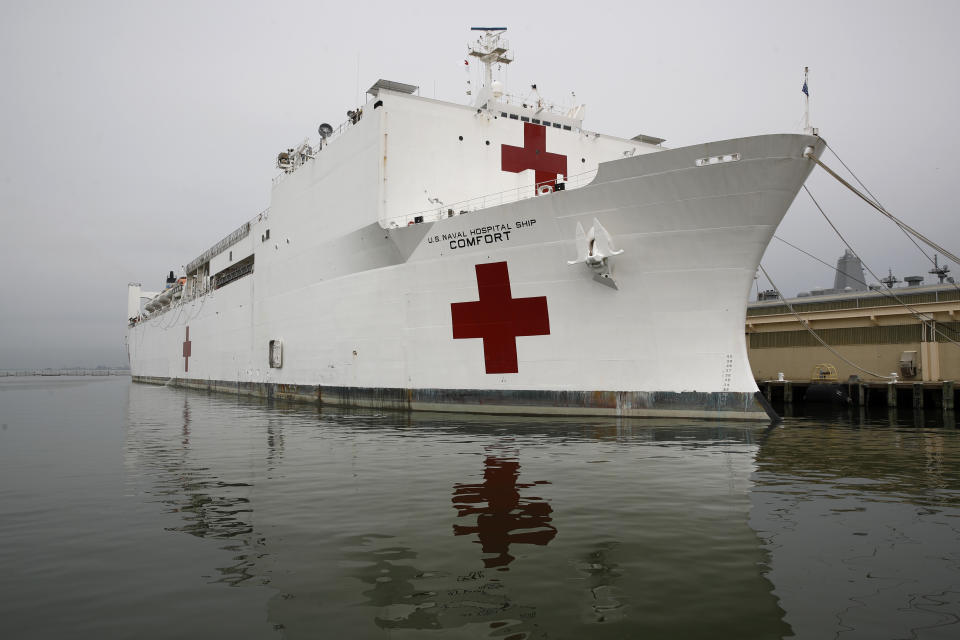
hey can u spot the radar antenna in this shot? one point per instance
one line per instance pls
(890, 280)
(940, 272)
(490, 49)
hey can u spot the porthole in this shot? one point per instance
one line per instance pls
(461, 138)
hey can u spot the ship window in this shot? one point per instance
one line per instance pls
(267, 234)
(556, 125)
(535, 121)
(231, 256)
(503, 114)
(514, 116)
(546, 124)
(524, 119)
(566, 127)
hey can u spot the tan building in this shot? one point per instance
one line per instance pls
(868, 328)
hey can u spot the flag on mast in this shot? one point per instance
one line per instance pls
(805, 90)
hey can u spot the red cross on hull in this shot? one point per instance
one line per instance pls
(533, 155)
(498, 318)
(187, 349)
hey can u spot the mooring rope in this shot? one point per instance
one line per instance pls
(806, 325)
(903, 225)
(877, 200)
(886, 291)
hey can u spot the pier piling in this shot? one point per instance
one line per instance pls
(939, 394)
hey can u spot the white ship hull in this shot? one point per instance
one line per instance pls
(366, 315)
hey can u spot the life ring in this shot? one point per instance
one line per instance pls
(544, 189)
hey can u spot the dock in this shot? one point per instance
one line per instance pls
(915, 395)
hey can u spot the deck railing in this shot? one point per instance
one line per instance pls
(443, 210)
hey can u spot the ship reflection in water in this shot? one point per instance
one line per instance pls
(585, 529)
(504, 517)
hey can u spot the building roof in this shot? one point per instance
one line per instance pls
(390, 85)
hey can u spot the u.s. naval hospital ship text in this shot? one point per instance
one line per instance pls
(495, 257)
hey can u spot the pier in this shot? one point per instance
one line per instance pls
(21, 373)
(906, 394)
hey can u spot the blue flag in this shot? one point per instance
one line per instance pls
(805, 90)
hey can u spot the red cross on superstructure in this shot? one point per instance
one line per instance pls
(499, 318)
(186, 351)
(533, 155)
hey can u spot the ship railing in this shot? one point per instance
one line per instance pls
(448, 210)
(316, 148)
(227, 242)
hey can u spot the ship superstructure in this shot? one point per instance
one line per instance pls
(490, 257)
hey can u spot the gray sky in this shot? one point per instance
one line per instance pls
(137, 134)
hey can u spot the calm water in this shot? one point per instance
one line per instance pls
(149, 512)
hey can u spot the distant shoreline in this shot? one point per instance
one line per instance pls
(64, 372)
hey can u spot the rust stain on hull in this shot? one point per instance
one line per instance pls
(722, 405)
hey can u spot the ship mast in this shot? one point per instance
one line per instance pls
(807, 129)
(940, 272)
(490, 49)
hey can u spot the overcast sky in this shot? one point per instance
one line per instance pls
(137, 134)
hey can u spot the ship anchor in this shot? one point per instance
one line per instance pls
(594, 249)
